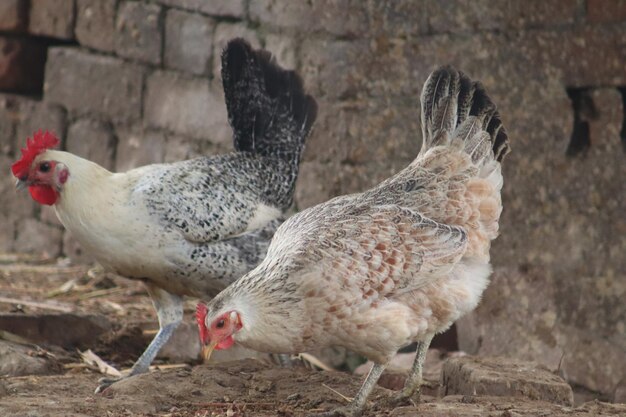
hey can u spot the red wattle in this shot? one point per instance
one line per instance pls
(226, 343)
(43, 194)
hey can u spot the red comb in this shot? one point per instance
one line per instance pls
(40, 142)
(201, 312)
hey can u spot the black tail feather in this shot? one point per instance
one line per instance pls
(267, 107)
(446, 87)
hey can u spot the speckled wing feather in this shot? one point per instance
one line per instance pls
(209, 199)
(385, 250)
(214, 198)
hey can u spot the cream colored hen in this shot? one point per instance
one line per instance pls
(376, 271)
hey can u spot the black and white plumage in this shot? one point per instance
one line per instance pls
(195, 226)
(396, 264)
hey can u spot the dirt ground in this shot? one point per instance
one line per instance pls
(122, 319)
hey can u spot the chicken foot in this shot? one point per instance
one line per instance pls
(169, 308)
(411, 390)
(355, 407)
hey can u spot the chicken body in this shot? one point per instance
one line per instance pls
(191, 227)
(376, 271)
(177, 224)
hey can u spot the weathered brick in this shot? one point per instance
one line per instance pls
(53, 18)
(188, 42)
(8, 208)
(21, 65)
(471, 15)
(137, 147)
(13, 15)
(180, 148)
(338, 17)
(114, 86)
(336, 69)
(189, 106)
(283, 48)
(8, 120)
(232, 8)
(21, 116)
(95, 24)
(224, 32)
(34, 236)
(48, 216)
(139, 31)
(74, 250)
(37, 115)
(92, 140)
(399, 18)
(599, 11)
(502, 377)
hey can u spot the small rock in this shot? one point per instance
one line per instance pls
(503, 377)
(18, 360)
(44, 328)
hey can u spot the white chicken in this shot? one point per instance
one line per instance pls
(191, 227)
(376, 271)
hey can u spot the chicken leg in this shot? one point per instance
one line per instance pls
(414, 380)
(356, 405)
(169, 308)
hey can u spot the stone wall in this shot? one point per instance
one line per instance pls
(127, 83)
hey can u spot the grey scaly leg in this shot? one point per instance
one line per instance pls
(414, 380)
(356, 405)
(169, 308)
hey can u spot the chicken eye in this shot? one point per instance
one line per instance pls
(44, 167)
(220, 324)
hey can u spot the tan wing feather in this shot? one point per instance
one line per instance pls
(382, 251)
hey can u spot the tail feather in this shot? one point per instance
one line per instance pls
(456, 108)
(267, 107)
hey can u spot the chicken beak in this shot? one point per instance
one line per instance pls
(207, 350)
(20, 185)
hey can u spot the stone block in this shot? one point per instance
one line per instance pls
(283, 48)
(137, 147)
(21, 65)
(13, 15)
(139, 31)
(180, 148)
(13, 205)
(95, 24)
(230, 8)
(330, 70)
(600, 11)
(467, 406)
(189, 106)
(74, 250)
(92, 140)
(9, 117)
(48, 215)
(44, 328)
(52, 18)
(39, 115)
(114, 86)
(188, 42)
(224, 32)
(345, 18)
(184, 345)
(21, 360)
(34, 236)
(397, 371)
(464, 16)
(397, 19)
(502, 377)
(620, 394)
